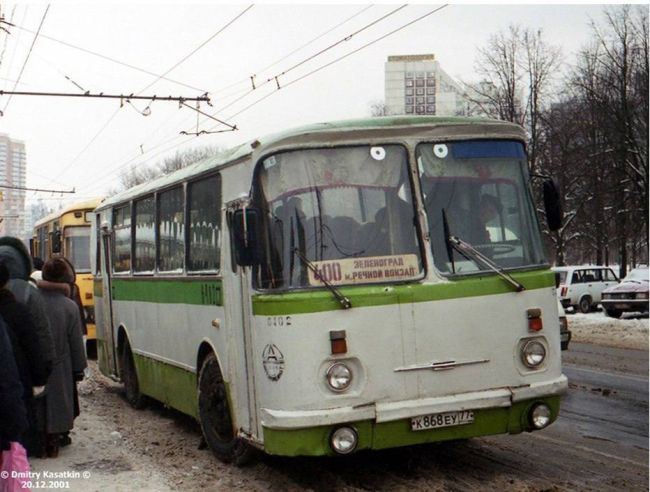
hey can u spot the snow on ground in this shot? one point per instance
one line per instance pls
(630, 331)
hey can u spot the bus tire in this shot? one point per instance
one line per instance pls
(214, 416)
(130, 378)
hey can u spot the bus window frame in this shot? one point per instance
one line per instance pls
(188, 187)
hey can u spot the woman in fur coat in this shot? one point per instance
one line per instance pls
(70, 358)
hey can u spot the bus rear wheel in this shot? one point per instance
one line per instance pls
(130, 378)
(214, 416)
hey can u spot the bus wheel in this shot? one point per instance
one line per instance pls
(130, 378)
(214, 416)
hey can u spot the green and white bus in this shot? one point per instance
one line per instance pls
(345, 286)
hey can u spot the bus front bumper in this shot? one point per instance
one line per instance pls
(387, 425)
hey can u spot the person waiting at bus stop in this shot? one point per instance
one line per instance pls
(33, 368)
(70, 358)
(14, 254)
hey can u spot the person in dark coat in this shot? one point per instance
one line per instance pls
(17, 259)
(14, 254)
(70, 360)
(33, 369)
(73, 293)
(13, 415)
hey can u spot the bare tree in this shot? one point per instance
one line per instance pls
(499, 93)
(616, 83)
(379, 108)
(541, 62)
(142, 173)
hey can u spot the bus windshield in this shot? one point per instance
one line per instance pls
(480, 189)
(77, 247)
(345, 214)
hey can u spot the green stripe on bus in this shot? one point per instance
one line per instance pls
(314, 441)
(314, 301)
(171, 385)
(169, 291)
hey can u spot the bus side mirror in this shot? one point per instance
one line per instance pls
(557, 280)
(552, 205)
(246, 226)
(56, 242)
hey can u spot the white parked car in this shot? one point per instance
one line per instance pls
(630, 295)
(581, 287)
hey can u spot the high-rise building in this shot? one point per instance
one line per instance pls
(13, 176)
(415, 84)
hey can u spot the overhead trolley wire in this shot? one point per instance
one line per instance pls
(158, 78)
(20, 74)
(338, 59)
(324, 50)
(246, 92)
(4, 45)
(184, 59)
(404, 26)
(113, 60)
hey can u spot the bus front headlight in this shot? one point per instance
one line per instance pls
(344, 440)
(338, 377)
(533, 354)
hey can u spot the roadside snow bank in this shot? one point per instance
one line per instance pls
(628, 332)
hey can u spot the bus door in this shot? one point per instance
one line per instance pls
(240, 313)
(107, 331)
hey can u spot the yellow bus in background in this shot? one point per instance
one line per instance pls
(66, 232)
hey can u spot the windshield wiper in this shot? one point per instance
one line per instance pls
(450, 249)
(471, 253)
(344, 301)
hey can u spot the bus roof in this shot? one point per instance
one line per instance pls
(82, 205)
(490, 129)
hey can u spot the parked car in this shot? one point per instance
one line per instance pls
(581, 287)
(565, 334)
(631, 295)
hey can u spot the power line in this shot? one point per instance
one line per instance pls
(27, 57)
(317, 37)
(158, 77)
(113, 60)
(22, 188)
(293, 81)
(246, 92)
(185, 58)
(339, 59)
(324, 50)
(123, 97)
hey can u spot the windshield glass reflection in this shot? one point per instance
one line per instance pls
(349, 211)
(481, 187)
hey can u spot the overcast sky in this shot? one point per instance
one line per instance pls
(84, 143)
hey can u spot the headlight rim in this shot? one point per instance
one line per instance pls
(329, 375)
(525, 353)
(354, 432)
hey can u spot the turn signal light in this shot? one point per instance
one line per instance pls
(534, 319)
(338, 343)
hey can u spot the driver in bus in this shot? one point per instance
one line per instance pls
(489, 209)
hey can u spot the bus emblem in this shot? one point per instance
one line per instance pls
(273, 362)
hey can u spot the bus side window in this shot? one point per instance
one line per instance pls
(122, 239)
(204, 223)
(171, 230)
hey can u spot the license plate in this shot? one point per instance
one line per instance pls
(437, 420)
